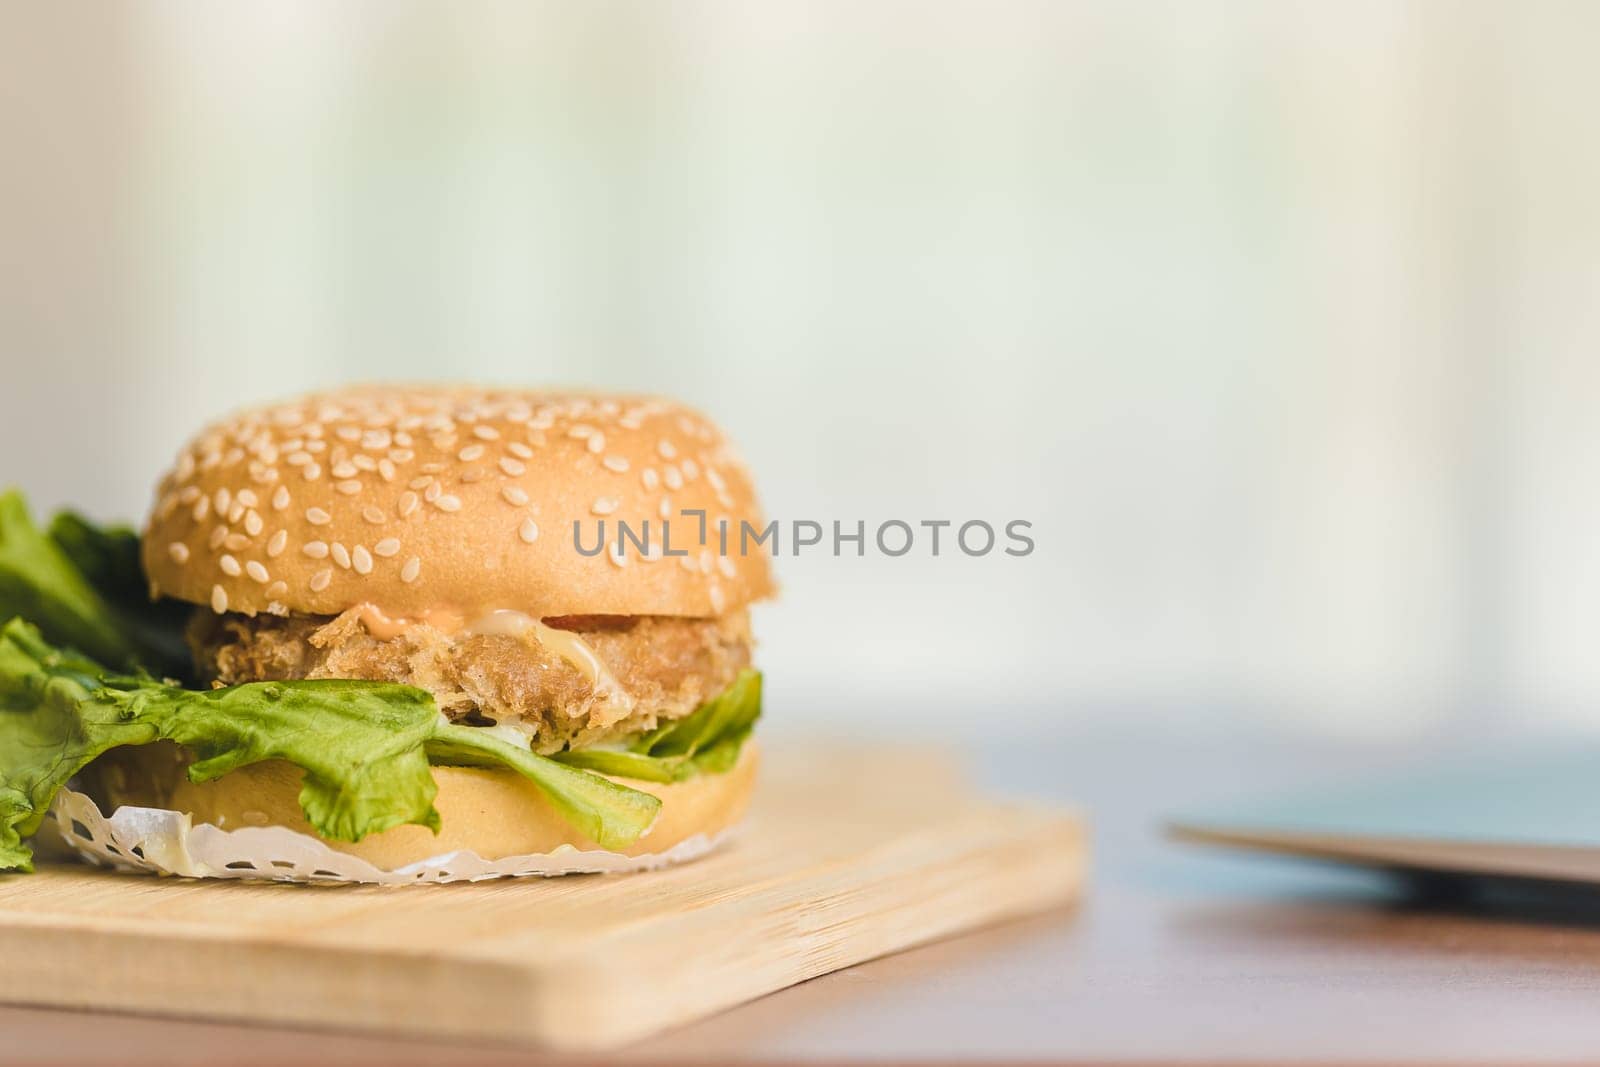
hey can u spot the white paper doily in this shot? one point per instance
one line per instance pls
(158, 841)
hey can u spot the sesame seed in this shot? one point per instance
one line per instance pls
(691, 469)
(189, 495)
(666, 448)
(597, 443)
(343, 469)
(223, 500)
(341, 555)
(252, 523)
(615, 463)
(705, 561)
(277, 589)
(202, 508)
(520, 450)
(473, 474)
(715, 479)
(386, 470)
(361, 559)
(318, 517)
(218, 536)
(389, 546)
(514, 495)
(430, 468)
(236, 542)
(179, 552)
(672, 477)
(280, 498)
(247, 497)
(580, 431)
(511, 466)
(470, 453)
(408, 503)
(311, 472)
(618, 557)
(219, 599)
(235, 513)
(409, 572)
(297, 459)
(402, 455)
(277, 544)
(687, 563)
(666, 507)
(255, 570)
(230, 566)
(319, 581)
(349, 433)
(449, 502)
(420, 483)
(718, 600)
(486, 433)
(374, 515)
(528, 531)
(650, 478)
(605, 505)
(433, 492)
(364, 462)
(725, 565)
(349, 487)
(315, 549)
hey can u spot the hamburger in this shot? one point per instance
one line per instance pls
(407, 621)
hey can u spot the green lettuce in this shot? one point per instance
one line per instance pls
(108, 557)
(83, 587)
(606, 812)
(705, 742)
(364, 747)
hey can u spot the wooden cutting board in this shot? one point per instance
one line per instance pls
(840, 861)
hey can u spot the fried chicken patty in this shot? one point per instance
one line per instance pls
(665, 667)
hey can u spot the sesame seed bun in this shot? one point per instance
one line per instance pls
(495, 813)
(420, 499)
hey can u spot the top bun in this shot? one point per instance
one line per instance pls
(421, 499)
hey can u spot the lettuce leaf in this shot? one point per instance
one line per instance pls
(38, 581)
(83, 587)
(705, 742)
(363, 746)
(108, 558)
(607, 813)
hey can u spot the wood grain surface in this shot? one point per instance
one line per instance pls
(1177, 954)
(832, 869)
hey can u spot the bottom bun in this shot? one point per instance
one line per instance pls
(493, 813)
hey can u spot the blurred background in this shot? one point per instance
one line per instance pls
(1279, 321)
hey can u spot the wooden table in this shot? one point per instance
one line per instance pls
(1177, 955)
